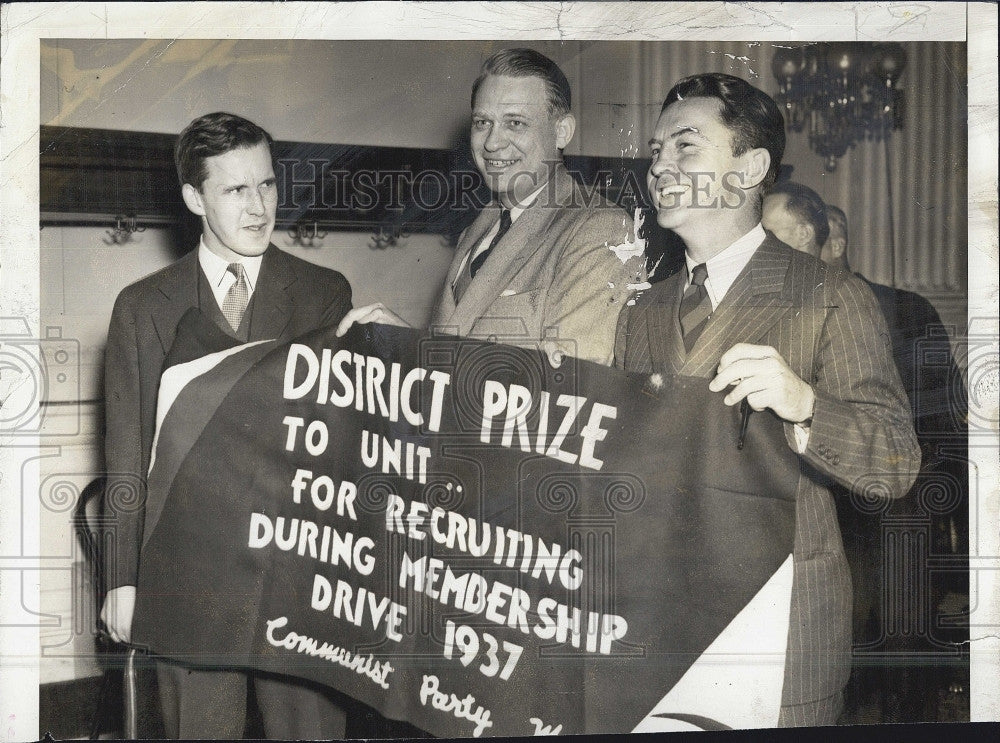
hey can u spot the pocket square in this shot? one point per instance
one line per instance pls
(508, 293)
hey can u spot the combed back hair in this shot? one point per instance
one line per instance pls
(522, 62)
(211, 135)
(838, 221)
(806, 206)
(750, 114)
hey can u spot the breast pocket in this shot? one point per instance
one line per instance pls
(512, 317)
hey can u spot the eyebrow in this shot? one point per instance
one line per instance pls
(682, 129)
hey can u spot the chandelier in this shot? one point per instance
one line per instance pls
(843, 92)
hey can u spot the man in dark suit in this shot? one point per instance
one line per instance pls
(537, 267)
(246, 288)
(922, 352)
(933, 389)
(786, 333)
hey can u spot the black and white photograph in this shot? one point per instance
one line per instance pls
(411, 370)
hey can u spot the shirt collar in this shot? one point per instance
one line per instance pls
(216, 268)
(726, 265)
(517, 211)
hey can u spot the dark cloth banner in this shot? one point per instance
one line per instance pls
(455, 533)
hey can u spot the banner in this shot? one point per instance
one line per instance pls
(460, 536)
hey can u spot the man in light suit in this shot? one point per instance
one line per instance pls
(241, 288)
(762, 322)
(536, 268)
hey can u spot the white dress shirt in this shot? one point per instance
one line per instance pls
(723, 268)
(515, 212)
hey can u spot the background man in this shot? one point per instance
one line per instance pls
(536, 265)
(784, 332)
(932, 380)
(240, 286)
(797, 216)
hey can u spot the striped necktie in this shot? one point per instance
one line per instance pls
(696, 307)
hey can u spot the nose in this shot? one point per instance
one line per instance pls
(660, 164)
(496, 139)
(255, 202)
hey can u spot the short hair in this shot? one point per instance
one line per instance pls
(837, 219)
(750, 114)
(210, 135)
(522, 62)
(806, 206)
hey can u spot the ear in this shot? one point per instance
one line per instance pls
(192, 199)
(565, 126)
(756, 163)
(838, 246)
(806, 233)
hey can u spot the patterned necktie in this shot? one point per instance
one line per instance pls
(480, 259)
(237, 298)
(696, 307)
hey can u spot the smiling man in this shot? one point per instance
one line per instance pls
(761, 322)
(536, 267)
(235, 287)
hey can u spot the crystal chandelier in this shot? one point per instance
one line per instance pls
(843, 92)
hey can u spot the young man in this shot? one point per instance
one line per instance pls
(251, 291)
(763, 322)
(536, 266)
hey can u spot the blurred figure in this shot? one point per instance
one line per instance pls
(797, 216)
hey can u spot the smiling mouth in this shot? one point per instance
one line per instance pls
(670, 196)
(490, 163)
(256, 227)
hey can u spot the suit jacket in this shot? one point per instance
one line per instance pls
(553, 275)
(932, 380)
(826, 325)
(291, 297)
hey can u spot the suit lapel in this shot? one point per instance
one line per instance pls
(472, 236)
(178, 292)
(272, 304)
(753, 304)
(666, 344)
(511, 253)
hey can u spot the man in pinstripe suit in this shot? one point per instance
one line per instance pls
(780, 329)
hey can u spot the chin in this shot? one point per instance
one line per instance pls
(669, 219)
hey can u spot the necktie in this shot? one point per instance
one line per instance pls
(480, 259)
(696, 307)
(237, 298)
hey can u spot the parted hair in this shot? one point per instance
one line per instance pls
(749, 113)
(210, 135)
(522, 62)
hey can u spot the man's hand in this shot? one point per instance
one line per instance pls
(117, 611)
(761, 375)
(552, 353)
(371, 313)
